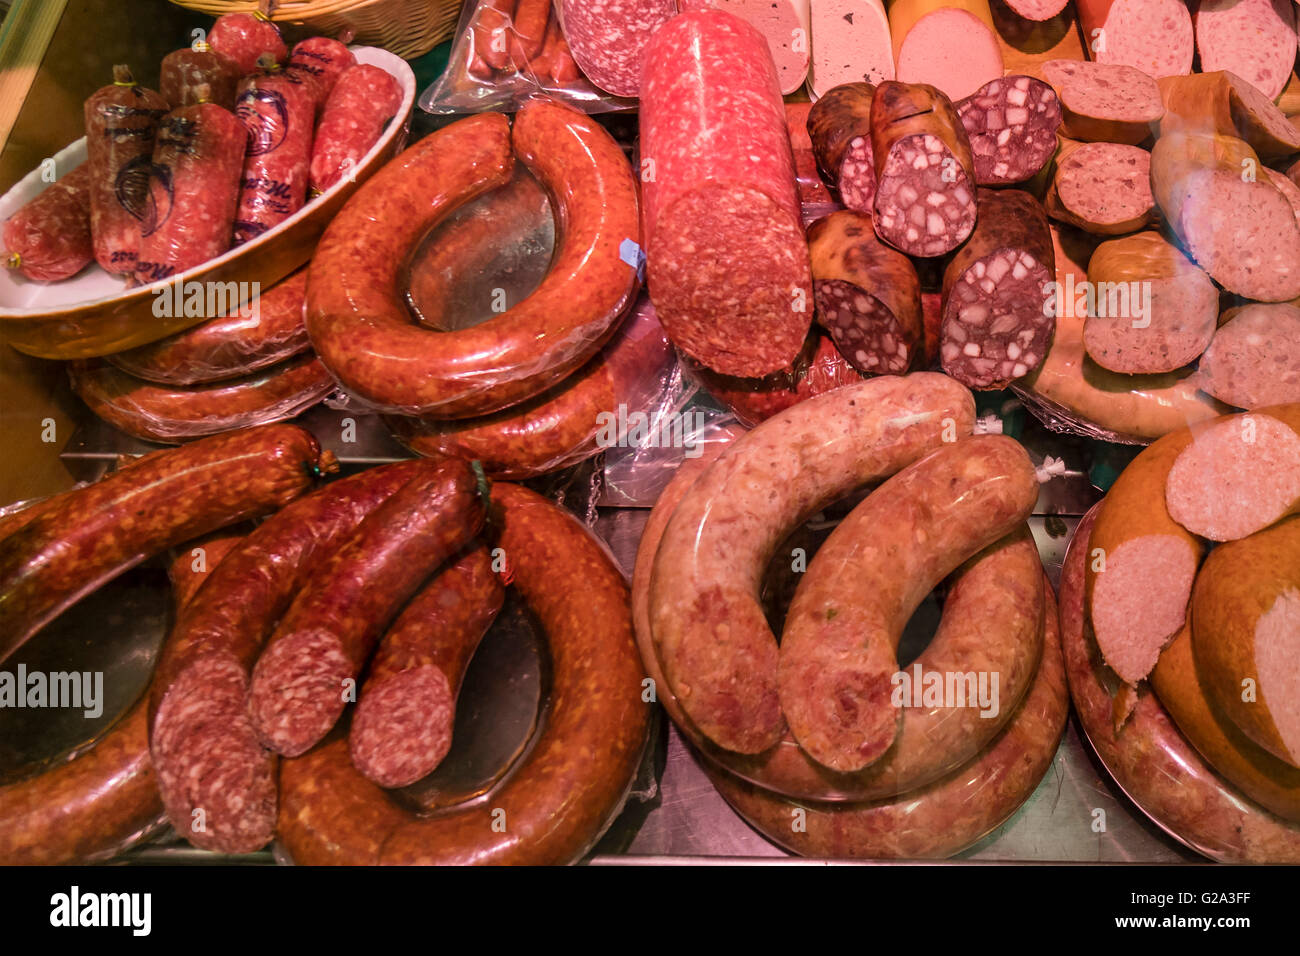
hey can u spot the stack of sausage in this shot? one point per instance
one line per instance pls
(815, 742)
(385, 575)
(1184, 671)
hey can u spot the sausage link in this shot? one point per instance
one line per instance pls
(945, 817)
(243, 38)
(361, 105)
(49, 238)
(297, 691)
(839, 125)
(1149, 758)
(403, 723)
(186, 70)
(718, 652)
(324, 59)
(172, 414)
(207, 756)
(99, 531)
(841, 635)
(245, 340)
(491, 33)
(278, 107)
(567, 789)
(354, 314)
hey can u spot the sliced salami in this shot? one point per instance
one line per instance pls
(608, 38)
(868, 295)
(1254, 359)
(839, 125)
(997, 326)
(1011, 123)
(727, 264)
(1105, 102)
(925, 175)
(1254, 39)
(1226, 104)
(1103, 188)
(1153, 35)
(1153, 310)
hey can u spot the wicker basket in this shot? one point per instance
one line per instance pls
(409, 28)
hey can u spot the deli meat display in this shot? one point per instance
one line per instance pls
(547, 432)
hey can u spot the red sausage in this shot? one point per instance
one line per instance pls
(298, 687)
(244, 38)
(227, 347)
(185, 70)
(363, 102)
(279, 110)
(324, 60)
(204, 748)
(608, 39)
(171, 414)
(193, 189)
(49, 238)
(121, 121)
(99, 531)
(403, 723)
(491, 33)
(727, 265)
(355, 316)
(528, 31)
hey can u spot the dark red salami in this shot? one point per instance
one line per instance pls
(244, 38)
(364, 100)
(324, 60)
(608, 38)
(403, 724)
(49, 238)
(996, 323)
(868, 295)
(279, 110)
(193, 189)
(300, 683)
(121, 120)
(839, 125)
(727, 262)
(184, 71)
(925, 176)
(1011, 123)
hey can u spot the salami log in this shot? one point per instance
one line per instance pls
(361, 104)
(997, 325)
(323, 59)
(727, 263)
(185, 70)
(925, 175)
(850, 43)
(300, 684)
(1254, 358)
(839, 125)
(786, 25)
(1254, 39)
(868, 295)
(279, 109)
(49, 239)
(403, 724)
(1240, 475)
(1225, 104)
(1011, 123)
(244, 38)
(1153, 310)
(121, 121)
(193, 189)
(1245, 618)
(1104, 188)
(216, 780)
(1103, 102)
(1153, 35)
(948, 44)
(1240, 230)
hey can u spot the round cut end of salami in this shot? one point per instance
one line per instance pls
(729, 277)
(217, 782)
(997, 326)
(865, 331)
(402, 728)
(297, 691)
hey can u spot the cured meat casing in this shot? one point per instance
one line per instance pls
(49, 238)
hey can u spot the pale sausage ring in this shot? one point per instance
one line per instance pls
(557, 802)
(359, 325)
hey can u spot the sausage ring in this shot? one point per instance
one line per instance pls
(355, 316)
(554, 805)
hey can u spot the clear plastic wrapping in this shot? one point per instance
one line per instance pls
(496, 63)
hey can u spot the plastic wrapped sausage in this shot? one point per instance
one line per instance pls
(187, 69)
(49, 239)
(362, 103)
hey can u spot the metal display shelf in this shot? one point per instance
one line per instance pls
(675, 815)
